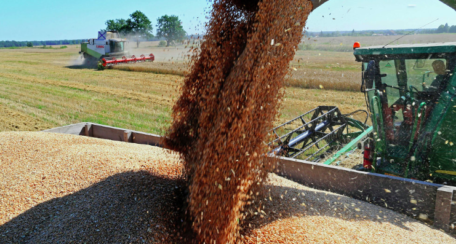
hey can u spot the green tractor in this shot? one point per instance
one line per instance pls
(410, 93)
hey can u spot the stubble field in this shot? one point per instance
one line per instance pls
(46, 88)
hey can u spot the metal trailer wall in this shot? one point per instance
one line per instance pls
(414, 198)
(110, 133)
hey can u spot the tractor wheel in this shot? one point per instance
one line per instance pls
(100, 65)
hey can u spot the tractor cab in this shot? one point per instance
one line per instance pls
(108, 45)
(116, 46)
(403, 84)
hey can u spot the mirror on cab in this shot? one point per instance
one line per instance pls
(369, 74)
(419, 63)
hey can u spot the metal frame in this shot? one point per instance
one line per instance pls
(435, 199)
(326, 125)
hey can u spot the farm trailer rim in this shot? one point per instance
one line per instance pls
(417, 199)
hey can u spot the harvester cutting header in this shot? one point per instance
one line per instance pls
(109, 50)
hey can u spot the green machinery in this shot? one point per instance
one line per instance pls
(319, 135)
(108, 50)
(108, 44)
(410, 94)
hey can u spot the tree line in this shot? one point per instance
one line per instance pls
(139, 27)
(39, 43)
(441, 29)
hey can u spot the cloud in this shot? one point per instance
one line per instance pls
(411, 5)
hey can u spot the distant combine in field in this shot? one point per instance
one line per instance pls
(109, 50)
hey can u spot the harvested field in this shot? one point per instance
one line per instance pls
(11, 120)
(155, 67)
(53, 88)
(325, 70)
(298, 101)
(50, 89)
(345, 43)
(310, 70)
(58, 188)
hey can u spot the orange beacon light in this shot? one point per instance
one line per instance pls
(356, 45)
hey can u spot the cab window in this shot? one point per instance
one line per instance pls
(390, 78)
(422, 75)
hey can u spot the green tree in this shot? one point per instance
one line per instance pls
(446, 28)
(139, 26)
(116, 25)
(452, 29)
(29, 44)
(162, 43)
(170, 28)
(441, 29)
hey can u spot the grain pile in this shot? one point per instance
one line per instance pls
(229, 102)
(292, 213)
(63, 188)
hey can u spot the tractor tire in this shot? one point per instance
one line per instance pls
(100, 64)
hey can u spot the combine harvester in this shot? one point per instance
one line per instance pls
(109, 50)
(410, 93)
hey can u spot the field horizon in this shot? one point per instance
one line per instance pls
(45, 88)
(49, 88)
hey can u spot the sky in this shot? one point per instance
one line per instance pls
(379, 15)
(27, 20)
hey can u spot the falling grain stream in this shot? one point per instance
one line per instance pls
(228, 103)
